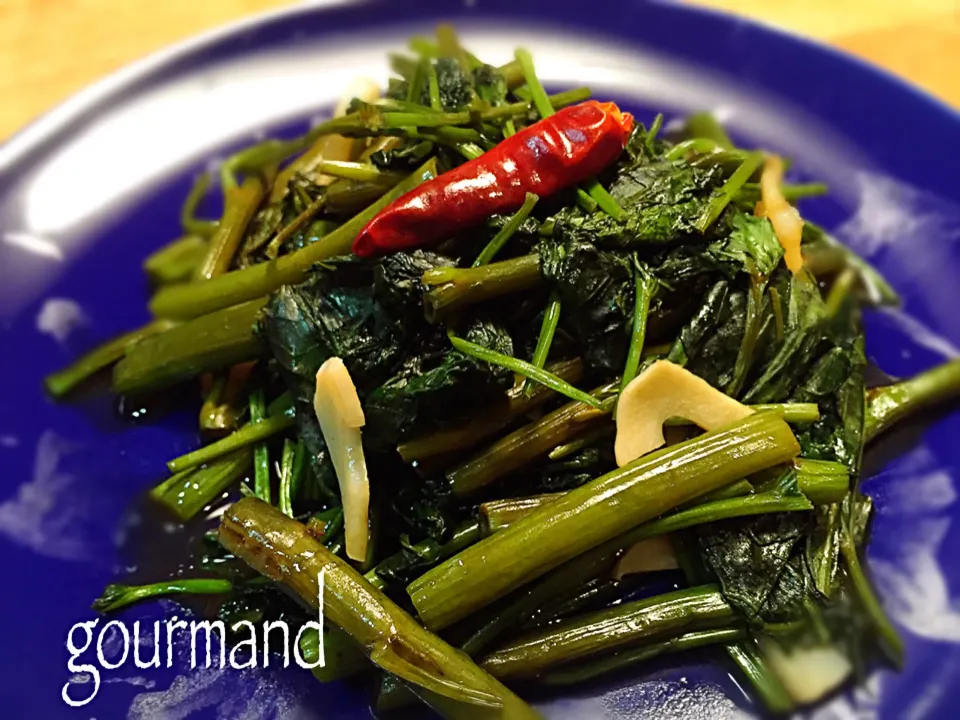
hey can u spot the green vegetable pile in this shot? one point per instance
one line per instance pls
(488, 369)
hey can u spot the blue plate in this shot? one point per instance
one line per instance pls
(88, 190)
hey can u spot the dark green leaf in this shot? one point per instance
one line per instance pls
(597, 295)
(436, 388)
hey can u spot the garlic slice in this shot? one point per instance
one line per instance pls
(650, 555)
(785, 218)
(807, 673)
(340, 415)
(665, 390)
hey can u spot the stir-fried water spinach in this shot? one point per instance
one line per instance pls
(488, 364)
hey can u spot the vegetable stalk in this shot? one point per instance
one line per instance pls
(644, 286)
(240, 203)
(63, 381)
(474, 431)
(116, 596)
(188, 301)
(280, 417)
(188, 492)
(521, 367)
(551, 318)
(699, 608)
(597, 512)
(210, 342)
(453, 289)
(507, 231)
(888, 405)
(526, 444)
(630, 657)
(176, 261)
(281, 549)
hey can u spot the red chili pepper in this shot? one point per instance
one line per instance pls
(559, 151)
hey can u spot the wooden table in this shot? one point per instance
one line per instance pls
(51, 48)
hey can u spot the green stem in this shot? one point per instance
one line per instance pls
(188, 212)
(281, 549)
(822, 481)
(210, 342)
(287, 462)
(888, 405)
(644, 287)
(569, 448)
(464, 536)
(527, 444)
(725, 195)
(250, 434)
(695, 146)
(751, 330)
(470, 151)
(194, 299)
(261, 455)
(540, 100)
(63, 381)
(450, 290)
(609, 630)
(176, 261)
(522, 605)
(498, 515)
(519, 109)
(750, 192)
(631, 657)
(840, 291)
(891, 640)
(515, 404)
(825, 255)
(359, 171)
(521, 367)
(507, 231)
(767, 685)
(188, 492)
(599, 592)
(604, 200)
(793, 413)
(449, 46)
(415, 88)
(240, 204)
(433, 85)
(426, 48)
(597, 512)
(294, 226)
(116, 596)
(501, 514)
(705, 125)
(548, 328)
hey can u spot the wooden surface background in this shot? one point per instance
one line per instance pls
(51, 48)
